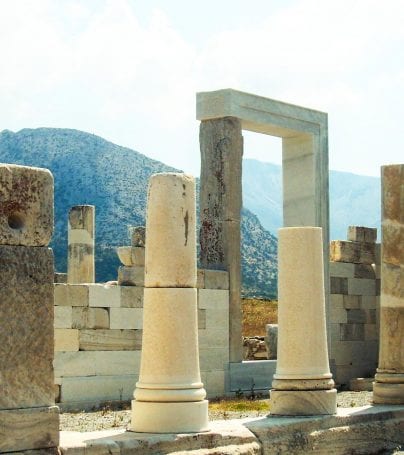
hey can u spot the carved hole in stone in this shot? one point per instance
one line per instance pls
(16, 221)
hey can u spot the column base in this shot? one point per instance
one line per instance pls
(180, 417)
(388, 393)
(303, 402)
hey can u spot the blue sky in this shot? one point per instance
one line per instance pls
(128, 70)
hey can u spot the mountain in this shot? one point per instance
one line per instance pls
(90, 170)
(354, 199)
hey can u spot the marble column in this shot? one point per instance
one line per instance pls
(80, 239)
(388, 387)
(169, 396)
(303, 384)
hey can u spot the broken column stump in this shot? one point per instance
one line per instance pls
(28, 418)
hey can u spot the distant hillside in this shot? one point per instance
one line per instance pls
(91, 170)
(354, 199)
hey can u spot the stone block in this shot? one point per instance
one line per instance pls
(211, 299)
(377, 271)
(126, 318)
(378, 253)
(362, 234)
(66, 340)
(131, 276)
(368, 302)
(98, 388)
(338, 285)
(355, 252)
(352, 332)
(364, 271)
(356, 316)
(104, 296)
(60, 294)
(338, 314)
(303, 402)
(271, 341)
(78, 294)
(26, 212)
(213, 338)
(132, 297)
(213, 358)
(200, 278)
(215, 383)
(335, 332)
(371, 332)
(138, 256)
(137, 236)
(248, 376)
(60, 278)
(392, 234)
(26, 334)
(393, 279)
(201, 319)
(352, 301)
(365, 353)
(96, 363)
(34, 428)
(361, 384)
(110, 340)
(216, 279)
(358, 286)
(90, 318)
(63, 317)
(337, 300)
(342, 269)
(341, 352)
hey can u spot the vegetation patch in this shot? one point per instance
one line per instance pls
(256, 314)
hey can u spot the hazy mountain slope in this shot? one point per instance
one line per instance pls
(354, 199)
(90, 170)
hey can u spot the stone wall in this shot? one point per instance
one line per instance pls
(354, 304)
(98, 338)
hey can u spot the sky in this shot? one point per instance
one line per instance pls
(129, 71)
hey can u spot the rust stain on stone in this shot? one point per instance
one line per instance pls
(186, 222)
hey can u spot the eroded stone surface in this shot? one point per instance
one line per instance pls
(26, 334)
(26, 209)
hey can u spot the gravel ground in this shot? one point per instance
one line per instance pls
(107, 418)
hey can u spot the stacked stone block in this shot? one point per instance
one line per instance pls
(131, 273)
(354, 304)
(29, 421)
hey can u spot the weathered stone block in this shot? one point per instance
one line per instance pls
(338, 285)
(138, 256)
(29, 429)
(392, 179)
(131, 297)
(66, 340)
(352, 332)
(26, 335)
(356, 316)
(26, 211)
(361, 384)
(392, 339)
(371, 332)
(104, 296)
(214, 337)
(364, 271)
(216, 279)
(393, 241)
(96, 363)
(341, 352)
(393, 280)
(200, 279)
(78, 294)
(213, 358)
(271, 341)
(110, 340)
(355, 252)
(63, 317)
(342, 269)
(352, 301)
(60, 277)
(137, 235)
(98, 388)
(215, 383)
(90, 318)
(369, 302)
(362, 234)
(358, 286)
(338, 314)
(131, 276)
(213, 299)
(126, 318)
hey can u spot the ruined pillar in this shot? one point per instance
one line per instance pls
(169, 396)
(80, 239)
(29, 421)
(221, 144)
(303, 384)
(388, 387)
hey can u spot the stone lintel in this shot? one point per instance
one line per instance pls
(259, 114)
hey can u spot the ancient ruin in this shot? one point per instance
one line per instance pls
(302, 383)
(169, 396)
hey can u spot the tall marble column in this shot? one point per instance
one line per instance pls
(388, 387)
(303, 384)
(169, 396)
(80, 239)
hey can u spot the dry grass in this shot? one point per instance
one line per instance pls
(239, 405)
(257, 313)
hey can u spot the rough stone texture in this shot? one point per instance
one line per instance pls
(110, 340)
(171, 237)
(81, 237)
(26, 335)
(254, 348)
(272, 341)
(29, 429)
(26, 210)
(389, 384)
(221, 145)
(362, 234)
(131, 276)
(131, 297)
(303, 402)
(66, 340)
(137, 236)
(361, 384)
(90, 318)
(356, 252)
